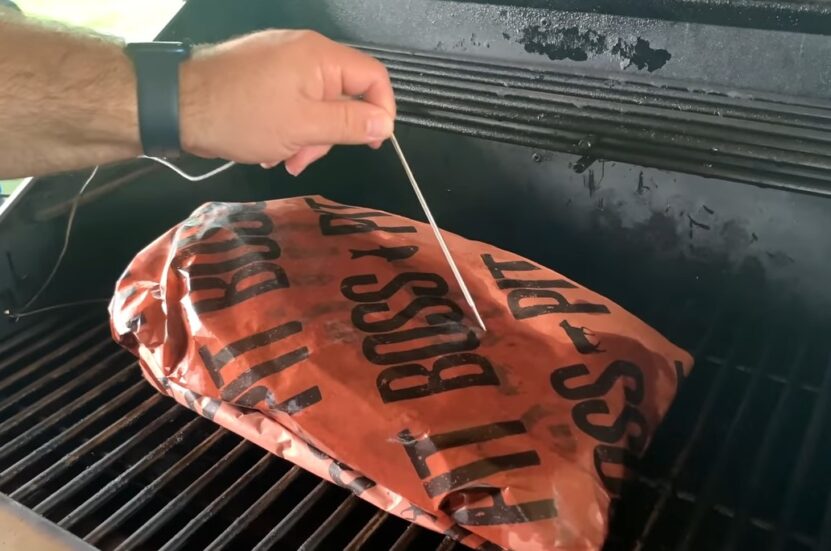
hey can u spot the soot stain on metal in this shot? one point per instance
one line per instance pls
(735, 235)
(641, 186)
(587, 142)
(583, 163)
(557, 44)
(696, 224)
(641, 54)
(664, 237)
(476, 42)
(590, 183)
(578, 45)
(779, 258)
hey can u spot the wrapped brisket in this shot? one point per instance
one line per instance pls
(335, 337)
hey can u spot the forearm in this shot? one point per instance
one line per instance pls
(67, 100)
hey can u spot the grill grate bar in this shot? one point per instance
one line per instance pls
(291, 519)
(561, 112)
(367, 531)
(9, 380)
(681, 459)
(50, 445)
(406, 538)
(706, 498)
(761, 524)
(723, 510)
(22, 336)
(158, 520)
(823, 543)
(333, 506)
(808, 387)
(101, 496)
(506, 119)
(70, 488)
(43, 341)
(749, 122)
(447, 544)
(670, 92)
(150, 490)
(809, 444)
(661, 156)
(316, 539)
(67, 388)
(70, 458)
(762, 456)
(177, 541)
(254, 510)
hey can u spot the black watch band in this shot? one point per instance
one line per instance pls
(157, 77)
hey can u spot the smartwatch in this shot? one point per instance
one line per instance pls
(157, 78)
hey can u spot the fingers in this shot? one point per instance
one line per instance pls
(306, 156)
(345, 122)
(301, 160)
(362, 75)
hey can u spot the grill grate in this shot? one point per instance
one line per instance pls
(740, 461)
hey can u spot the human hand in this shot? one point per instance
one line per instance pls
(283, 96)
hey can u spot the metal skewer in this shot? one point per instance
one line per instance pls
(437, 232)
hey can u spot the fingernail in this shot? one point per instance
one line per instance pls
(291, 170)
(379, 127)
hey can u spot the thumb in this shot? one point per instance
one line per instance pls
(346, 122)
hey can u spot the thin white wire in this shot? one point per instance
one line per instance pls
(56, 307)
(69, 224)
(67, 234)
(187, 176)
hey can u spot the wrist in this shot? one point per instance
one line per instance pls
(112, 119)
(194, 106)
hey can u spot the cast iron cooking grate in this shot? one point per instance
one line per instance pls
(740, 461)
